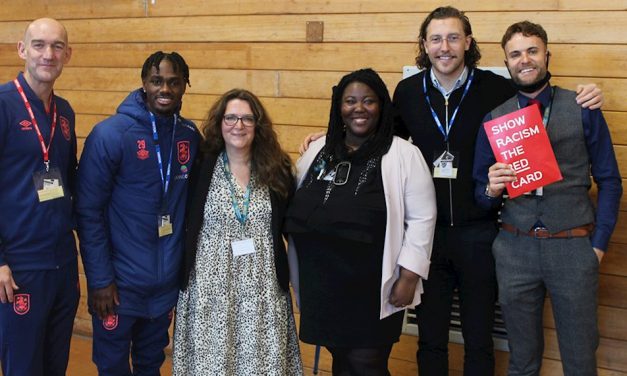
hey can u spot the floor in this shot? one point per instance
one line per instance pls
(81, 364)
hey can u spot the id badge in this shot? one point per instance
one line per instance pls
(444, 166)
(48, 184)
(165, 225)
(243, 247)
(329, 176)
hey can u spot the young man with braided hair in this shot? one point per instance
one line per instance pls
(132, 188)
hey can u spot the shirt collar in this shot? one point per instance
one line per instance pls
(30, 94)
(458, 83)
(544, 97)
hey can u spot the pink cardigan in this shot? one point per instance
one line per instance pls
(411, 214)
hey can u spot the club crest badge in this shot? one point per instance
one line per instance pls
(65, 127)
(110, 322)
(142, 153)
(183, 151)
(21, 303)
(26, 125)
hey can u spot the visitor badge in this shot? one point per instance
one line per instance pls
(443, 166)
(165, 225)
(48, 184)
(243, 247)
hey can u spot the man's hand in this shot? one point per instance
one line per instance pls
(589, 96)
(103, 301)
(498, 175)
(599, 254)
(308, 140)
(7, 284)
(403, 290)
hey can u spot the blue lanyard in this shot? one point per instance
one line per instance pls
(547, 110)
(165, 182)
(240, 215)
(445, 132)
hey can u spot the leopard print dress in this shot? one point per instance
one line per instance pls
(234, 319)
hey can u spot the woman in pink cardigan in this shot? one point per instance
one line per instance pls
(361, 229)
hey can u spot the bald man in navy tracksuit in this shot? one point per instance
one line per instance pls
(39, 290)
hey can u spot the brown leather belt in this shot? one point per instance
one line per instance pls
(543, 232)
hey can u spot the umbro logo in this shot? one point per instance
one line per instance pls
(26, 125)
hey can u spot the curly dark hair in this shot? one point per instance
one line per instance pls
(178, 64)
(271, 165)
(471, 57)
(380, 141)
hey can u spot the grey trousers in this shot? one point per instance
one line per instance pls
(568, 270)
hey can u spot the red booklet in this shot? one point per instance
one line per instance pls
(520, 140)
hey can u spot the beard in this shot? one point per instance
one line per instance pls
(534, 86)
(530, 87)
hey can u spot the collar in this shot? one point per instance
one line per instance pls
(30, 94)
(140, 97)
(458, 83)
(544, 97)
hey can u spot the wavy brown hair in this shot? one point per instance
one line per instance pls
(270, 164)
(471, 57)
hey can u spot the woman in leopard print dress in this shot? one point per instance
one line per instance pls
(234, 315)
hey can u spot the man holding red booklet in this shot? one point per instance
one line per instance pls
(552, 238)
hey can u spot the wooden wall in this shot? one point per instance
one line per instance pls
(262, 46)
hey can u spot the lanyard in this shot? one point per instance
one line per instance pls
(155, 136)
(547, 111)
(44, 149)
(240, 215)
(445, 132)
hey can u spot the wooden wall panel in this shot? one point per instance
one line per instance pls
(261, 46)
(369, 27)
(305, 112)
(203, 81)
(614, 87)
(68, 9)
(295, 84)
(566, 60)
(191, 8)
(615, 260)
(620, 232)
(618, 126)
(613, 291)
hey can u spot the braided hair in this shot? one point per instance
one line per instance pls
(379, 142)
(178, 64)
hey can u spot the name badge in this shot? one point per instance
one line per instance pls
(165, 225)
(243, 247)
(330, 176)
(444, 166)
(48, 184)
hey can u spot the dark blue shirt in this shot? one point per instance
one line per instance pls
(35, 235)
(604, 168)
